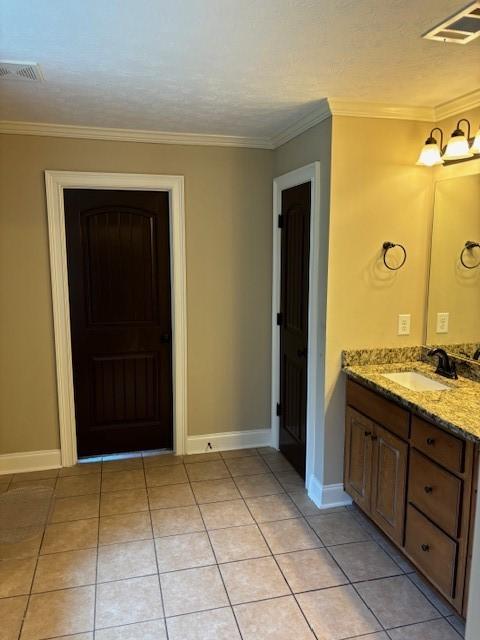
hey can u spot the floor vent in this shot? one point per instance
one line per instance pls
(461, 28)
(23, 71)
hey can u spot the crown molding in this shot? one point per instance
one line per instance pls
(340, 107)
(131, 135)
(322, 112)
(458, 105)
(325, 109)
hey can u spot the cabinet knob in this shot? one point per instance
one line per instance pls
(425, 547)
(428, 489)
(431, 441)
(367, 434)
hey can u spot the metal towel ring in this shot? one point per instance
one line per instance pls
(386, 248)
(470, 246)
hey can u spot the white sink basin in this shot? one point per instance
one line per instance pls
(416, 381)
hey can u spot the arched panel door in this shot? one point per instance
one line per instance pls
(118, 255)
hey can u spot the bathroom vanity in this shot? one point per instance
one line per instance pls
(411, 465)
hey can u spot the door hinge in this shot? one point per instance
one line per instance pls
(280, 221)
(279, 319)
(279, 409)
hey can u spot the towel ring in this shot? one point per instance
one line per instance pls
(469, 246)
(386, 248)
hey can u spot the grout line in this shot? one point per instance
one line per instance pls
(216, 560)
(96, 564)
(35, 570)
(283, 575)
(156, 563)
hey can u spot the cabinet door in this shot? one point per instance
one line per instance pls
(389, 483)
(358, 457)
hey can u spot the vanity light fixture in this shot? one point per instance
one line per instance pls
(459, 147)
(431, 154)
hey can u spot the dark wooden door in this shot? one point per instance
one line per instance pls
(358, 458)
(389, 482)
(295, 249)
(118, 255)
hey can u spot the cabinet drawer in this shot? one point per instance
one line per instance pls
(435, 492)
(432, 550)
(374, 406)
(439, 445)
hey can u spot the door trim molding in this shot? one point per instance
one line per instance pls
(309, 173)
(55, 183)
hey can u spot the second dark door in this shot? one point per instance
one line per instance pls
(118, 255)
(295, 260)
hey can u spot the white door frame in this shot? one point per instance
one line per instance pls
(56, 182)
(309, 173)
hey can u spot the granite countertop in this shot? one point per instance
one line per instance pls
(458, 409)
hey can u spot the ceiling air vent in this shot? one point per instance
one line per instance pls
(23, 71)
(461, 28)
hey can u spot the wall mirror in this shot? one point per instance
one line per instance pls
(453, 318)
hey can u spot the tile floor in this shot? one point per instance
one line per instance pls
(206, 547)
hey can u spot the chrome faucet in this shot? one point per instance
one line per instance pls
(445, 367)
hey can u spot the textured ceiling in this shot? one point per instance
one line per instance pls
(238, 67)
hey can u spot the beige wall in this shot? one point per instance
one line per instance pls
(228, 238)
(377, 194)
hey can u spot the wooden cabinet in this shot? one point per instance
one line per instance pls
(375, 472)
(358, 458)
(415, 480)
(389, 482)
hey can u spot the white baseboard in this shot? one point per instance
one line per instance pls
(229, 440)
(30, 461)
(328, 495)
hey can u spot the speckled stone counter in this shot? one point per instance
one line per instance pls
(457, 409)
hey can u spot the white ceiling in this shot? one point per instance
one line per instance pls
(236, 67)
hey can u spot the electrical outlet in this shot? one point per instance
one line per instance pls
(442, 322)
(404, 324)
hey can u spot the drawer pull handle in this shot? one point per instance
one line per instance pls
(368, 434)
(428, 489)
(431, 441)
(425, 547)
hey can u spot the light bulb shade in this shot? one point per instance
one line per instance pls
(457, 148)
(475, 148)
(430, 155)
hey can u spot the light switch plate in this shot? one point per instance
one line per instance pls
(442, 322)
(404, 324)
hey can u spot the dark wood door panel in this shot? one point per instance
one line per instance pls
(119, 248)
(295, 261)
(118, 254)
